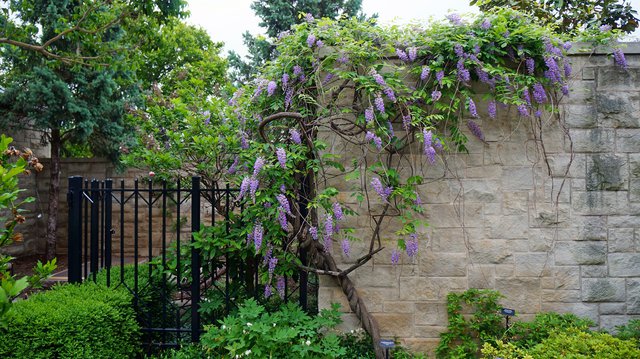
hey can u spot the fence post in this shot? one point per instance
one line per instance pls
(94, 258)
(195, 260)
(108, 231)
(74, 235)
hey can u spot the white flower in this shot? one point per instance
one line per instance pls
(308, 342)
(249, 324)
(224, 327)
(247, 352)
(274, 324)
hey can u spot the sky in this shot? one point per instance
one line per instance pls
(227, 20)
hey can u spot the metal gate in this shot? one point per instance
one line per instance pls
(138, 239)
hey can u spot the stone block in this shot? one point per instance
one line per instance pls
(600, 202)
(613, 308)
(448, 240)
(634, 165)
(622, 240)
(484, 191)
(575, 253)
(492, 251)
(430, 331)
(444, 265)
(617, 109)
(515, 202)
(633, 296)
(398, 307)
(435, 192)
(417, 289)
(592, 228)
(375, 276)
(628, 140)
(426, 346)
(566, 277)
(562, 296)
(559, 162)
(443, 216)
(521, 294)
(589, 73)
(507, 227)
(634, 193)
(610, 322)
(531, 264)
(603, 290)
(585, 310)
(580, 116)
(375, 297)
(607, 172)
(623, 221)
(518, 178)
(430, 313)
(592, 140)
(611, 78)
(350, 322)
(549, 215)
(482, 276)
(594, 271)
(624, 264)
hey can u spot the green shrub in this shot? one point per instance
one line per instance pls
(528, 334)
(72, 321)
(189, 351)
(630, 330)
(357, 344)
(287, 333)
(464, 336)
(503, 350)
(575, 343)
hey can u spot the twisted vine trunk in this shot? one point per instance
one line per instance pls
(54, 191)
(356, 304)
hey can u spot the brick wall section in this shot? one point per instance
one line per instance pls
(499, 220)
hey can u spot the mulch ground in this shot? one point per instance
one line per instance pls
(24, 265)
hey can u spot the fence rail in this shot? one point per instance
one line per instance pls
(138, 238)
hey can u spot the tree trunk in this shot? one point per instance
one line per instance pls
(54, 192)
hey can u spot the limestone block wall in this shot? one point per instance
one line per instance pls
(554, 225)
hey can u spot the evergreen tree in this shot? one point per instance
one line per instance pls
(66, 70)
(278, 16)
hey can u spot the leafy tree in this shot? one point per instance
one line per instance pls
(277, 17)
(66, 71)
(572, 16)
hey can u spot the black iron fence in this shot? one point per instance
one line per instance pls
(140, 239)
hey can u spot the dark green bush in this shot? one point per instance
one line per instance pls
(72, 321)
(527, 334)
(575, 343)
(630, 330)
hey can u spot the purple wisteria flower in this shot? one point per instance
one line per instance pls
(567, 46)
(379, 79)
(295, 136)
(383, 192)
(475, 129)
(244, 186)
(283, 189)
(412, 245)
(258, 232)
(538, 113)
(406, 122)
(458, 50)
(435, 95)
(254, 183)
(285, 80)
(281, 287)
(526, 96)
(523, 110)
(308, 17)
(619, 59)
(234, 166)
(567, 69)
(311, 39)
(288, 97)
(327, 243)
(378, 142)
(553, 72)
(430, 152)
(530, 64)
(343, 59)
(337, 211)
(268, 290)
(412, 52)
(282, 157)
(369, 136)
(267, 255)
(402, 55)
(271, 88)
(388, 91)
(390, 127)
(454, 19)
(257, 166)
(328, 225)
(297, 71)
(284, 203)
(244, 142)
(424, 73)
(282, 219)
(319, 43)
(486, 24)
(565, 89)
(439, 77)
(395, 256)
(605, 28)
(463, 73)
(539, 95)
(491, 109)
(346, 247)
(379, 102)
(369, 114)
(328, 78)
(418, 200)
(273, 261)
(313, 231)
(483, 76)
(427, 136)
(473, 111)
